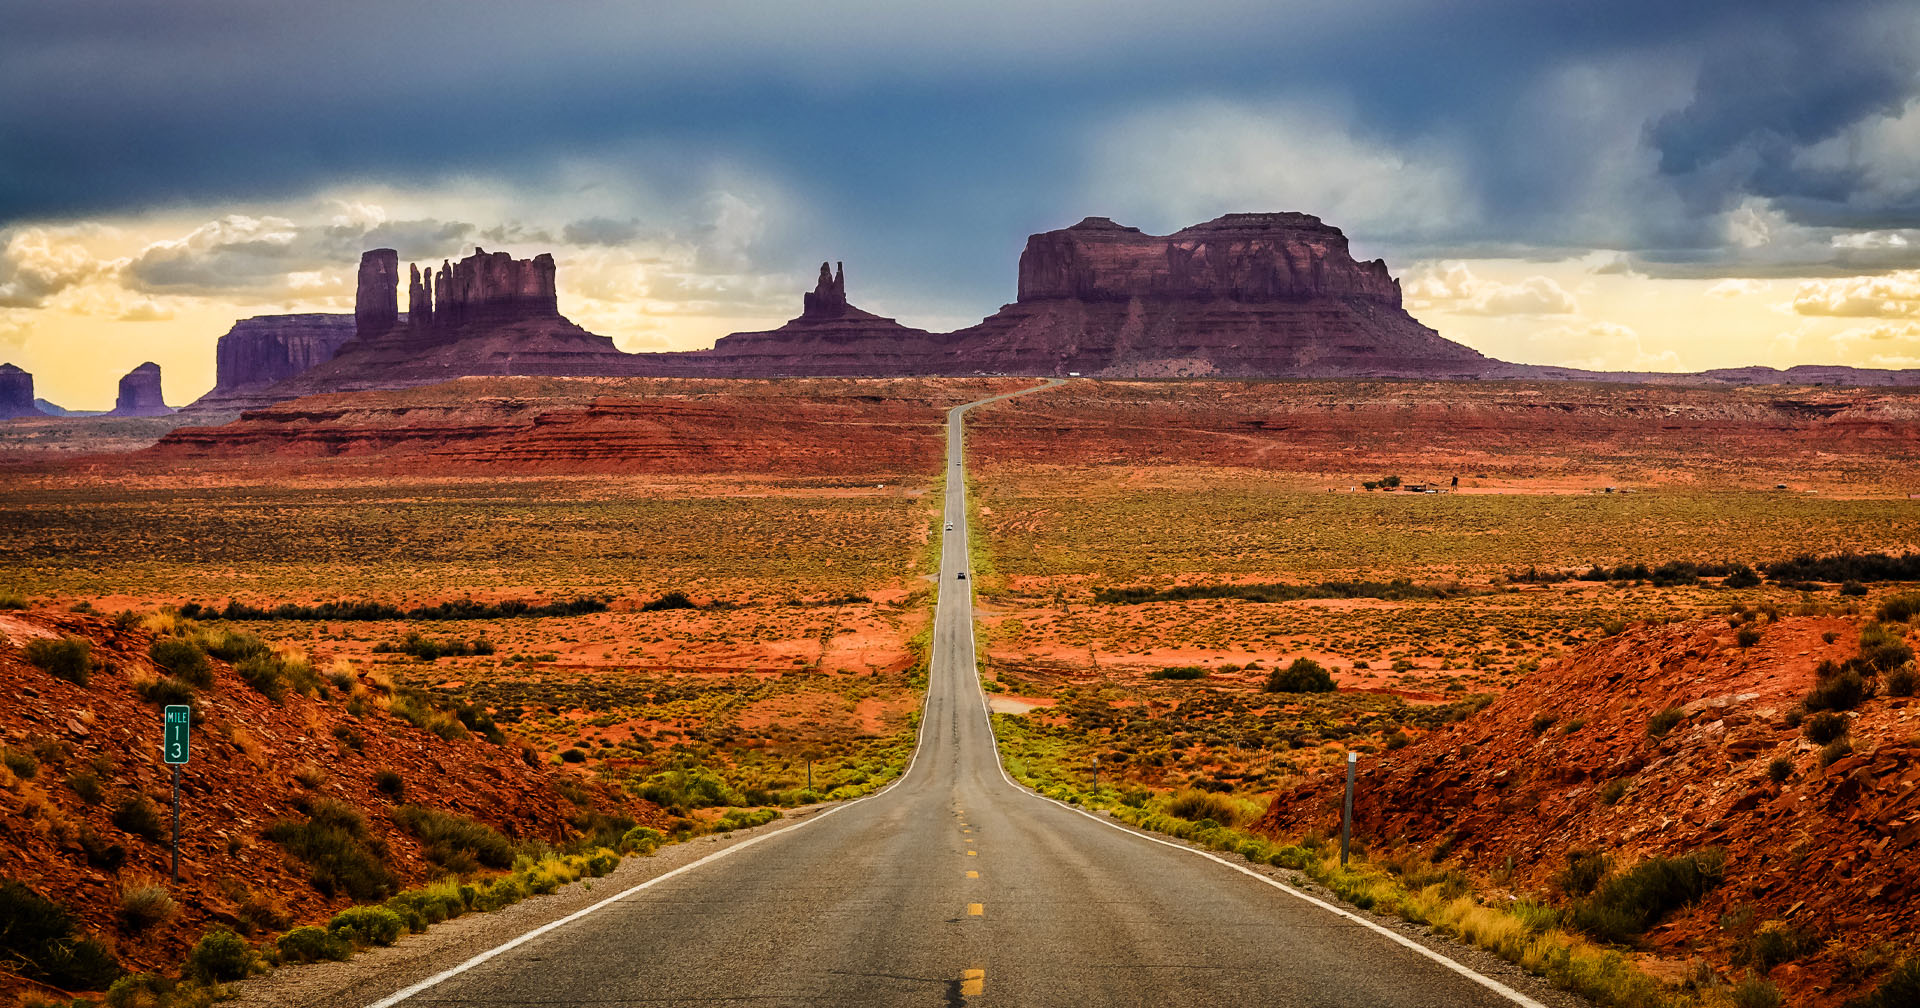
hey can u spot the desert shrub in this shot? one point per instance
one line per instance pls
(1303, 676)
(574, 755)
(1746, 636)
(99, 851)
(1834, 750)
(312, 944)
(140, 817)
(1199, 806)
(220, 956)
(735, 819)
(86, 784)
(1824, 727)
(1178, 672)
(1398, 740)
(362, 610)
(367, 925)
(340, 855)
(1583, 872)
(140, 990)
(1543, 722)
(1899, 608)
(183, 660)
(690, 787)
(1900, 989)
(1881, 649)
(455, 842)
(144, 904)
(22, 763)
(642, 840)
(671, 600)
(69, 658)
(1612, 791)
(1853, 588)
(260, 912)
(1753, 992)
(1773, 944)
(1743, 576)
(1394, 591)
(231, 645)
(163, 690)
(1779, 770)
(1664, 721)
(1901, 681)
(416, 708)
(1624, 906)
(38, 939)
(263, 672)
(1841, 691)
(389, 783)
(1862, 567)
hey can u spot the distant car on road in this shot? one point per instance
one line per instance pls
(949, 526)
(962, 576)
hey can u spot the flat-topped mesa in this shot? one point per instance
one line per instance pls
(1245, 257)
(139, 393)
(16, 393)
(486, 289)
(259, 351)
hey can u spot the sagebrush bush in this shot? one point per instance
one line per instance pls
(163, 691)
(1583, 872)
(1199, 806)
(1178, 672)
(220, 957)
(1901, 681)
(1899, 608)
(311, 944)
(1664, 721)
(389, 783)
(1843, 690)
(140, 817)
(340, 855)
(1824, 727)
(367, 925)
(1900, 989)
(1303, 676)
(69, 658)
(183, 660)
(455, 842)
(264, 673)
(41, 942)
(144, 904)
(1625, 905)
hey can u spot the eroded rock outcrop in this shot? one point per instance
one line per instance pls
(1270, 294)
(140, 393)
(16, 393)
(260, 351)
(830, 337)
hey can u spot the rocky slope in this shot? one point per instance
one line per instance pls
(16, 393)
(260, 351)
(1572, 758)
(140, 395)
(253, 763)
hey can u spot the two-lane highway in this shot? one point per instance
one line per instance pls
(953, 886)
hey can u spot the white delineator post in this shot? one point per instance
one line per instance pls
(1346, 808)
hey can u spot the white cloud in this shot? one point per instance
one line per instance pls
(1882, 345)
(1733, 288)
(1894, 294)
(39, 262)
(1451, 286)
(1186, 162)
(1602, 346)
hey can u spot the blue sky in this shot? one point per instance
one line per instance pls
(168, 166)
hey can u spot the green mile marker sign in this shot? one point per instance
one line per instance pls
(177, 716)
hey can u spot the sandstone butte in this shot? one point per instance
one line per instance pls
(139, 394)
(16, 393)
(1247, 295)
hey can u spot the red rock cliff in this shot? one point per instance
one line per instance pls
(265, 349)
(140, 393)
(16, 393)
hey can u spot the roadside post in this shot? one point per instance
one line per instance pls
(177, 719)
(1346, 808)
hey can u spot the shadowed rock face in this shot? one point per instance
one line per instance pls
(140, 393)
(260, 351)
(376, 309)
(16, 393)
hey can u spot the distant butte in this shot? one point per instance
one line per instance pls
(1246, 295)
(139, 394)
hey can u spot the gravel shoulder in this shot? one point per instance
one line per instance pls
(378, 972)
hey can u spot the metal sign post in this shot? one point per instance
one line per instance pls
(1346, 810)
(177, 720)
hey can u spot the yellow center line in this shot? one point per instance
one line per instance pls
(976, 909)
(973, 982)
(973, 874)
(973, 853)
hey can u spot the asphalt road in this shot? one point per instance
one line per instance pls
(954, 886)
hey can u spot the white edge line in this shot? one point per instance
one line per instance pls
(919, 743)
(1466, 971)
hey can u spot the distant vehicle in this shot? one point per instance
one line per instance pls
(962, 576)
(949, 526)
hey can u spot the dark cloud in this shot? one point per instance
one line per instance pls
(600, 231)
